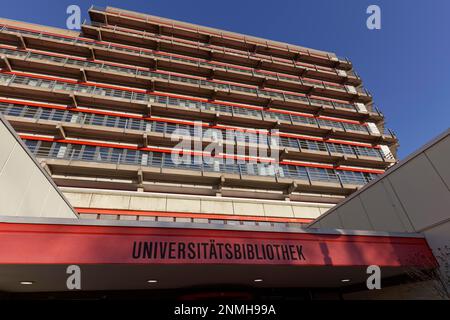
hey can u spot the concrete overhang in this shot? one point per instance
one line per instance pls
(124, 255)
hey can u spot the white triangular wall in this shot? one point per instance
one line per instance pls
(25, 188)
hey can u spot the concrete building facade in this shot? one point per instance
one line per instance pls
(99, 108)
(91, 122)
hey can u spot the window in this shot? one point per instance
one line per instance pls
(89, 153)
(340, 148)
(31, 144)
(131, 156)
(352, 177)
(329, 123)
(103, 154)
(322, 174)
(30, 112)
(155, 159)
(116, 155)
(354, 127)
(312, 145)
(98, 120)
(370, 152)
(135, 124)
(304, 120)
(159, 126)
(15, 111)
(288, 142)
(291, 171)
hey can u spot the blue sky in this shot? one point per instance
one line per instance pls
(406, 64)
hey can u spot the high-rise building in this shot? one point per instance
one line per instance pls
(187, 159)
(297, 130)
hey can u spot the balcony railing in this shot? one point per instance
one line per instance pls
(77, 152)
(6, 79)
(167, 76)
(183, 42)
(389, 133)
(110, 121)
(271, 94)
(264, 43)
(151, 54)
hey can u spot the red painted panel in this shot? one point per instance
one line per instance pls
(75, 244)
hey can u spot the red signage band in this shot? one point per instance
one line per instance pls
(22, 243)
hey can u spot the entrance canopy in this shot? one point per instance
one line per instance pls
(115, 255)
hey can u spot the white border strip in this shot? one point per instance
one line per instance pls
(180, 225)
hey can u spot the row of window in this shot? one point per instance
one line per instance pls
(158, 75)
(197, 105)
(134, 71)
(168, 128)
(66, 151)
(154, 55)
(209, 46)
(329, 147)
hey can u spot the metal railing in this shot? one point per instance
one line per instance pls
(180, 41)
(389, 132)
(6, 79)
(76, 152)
(86, 118)
(158, 75)
(150, 53)
(269, 74)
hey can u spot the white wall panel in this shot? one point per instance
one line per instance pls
(129, 200)
(353, 216)
(421, 191)
(410, 197)
(439, 155)
(25, 190)
(7, 144)
(331, 222)
(383, 209)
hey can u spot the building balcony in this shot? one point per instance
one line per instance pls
(162, 82)
(73, 93)
(144, 57)
(265, 86)
(75, 157)
(76, 123)
(210, 91)
(209, 36)
(138, 41)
